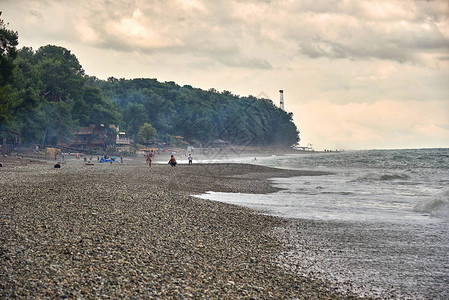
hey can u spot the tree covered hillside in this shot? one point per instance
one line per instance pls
(46, 96)
(197, 115)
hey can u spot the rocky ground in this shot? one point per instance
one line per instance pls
(130, 231)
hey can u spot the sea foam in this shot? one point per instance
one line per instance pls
(436, 207)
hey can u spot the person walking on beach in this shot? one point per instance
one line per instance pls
(150, 158)
(172, 161)
(190, 159)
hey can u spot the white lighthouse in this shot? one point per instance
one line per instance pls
(281, 102)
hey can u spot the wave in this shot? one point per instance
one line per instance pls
(381, 177)
(437, 207)
(393, 176)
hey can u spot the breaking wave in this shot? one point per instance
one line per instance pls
(393, 176)
(437, 207)
(382, 177)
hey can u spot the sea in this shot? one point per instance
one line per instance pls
(377, 225)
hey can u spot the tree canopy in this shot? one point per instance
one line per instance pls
(197, 115)
(8, 53)
(146, 133)
(53, 97)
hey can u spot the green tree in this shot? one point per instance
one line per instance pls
(9, 40)
(61, 91)
(110, 136)
(133, 118)
(97, 109)
(54, 97)
(61, 74)
(8, 53)
(146, 133)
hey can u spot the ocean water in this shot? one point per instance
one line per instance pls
(377, 226)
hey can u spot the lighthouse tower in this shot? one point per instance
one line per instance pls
(281, 103)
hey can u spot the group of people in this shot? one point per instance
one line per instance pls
(171, 162)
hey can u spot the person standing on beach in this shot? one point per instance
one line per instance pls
(172, 161)
(190, 159)
(150, 158)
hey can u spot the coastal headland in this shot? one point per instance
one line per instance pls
(130, 231)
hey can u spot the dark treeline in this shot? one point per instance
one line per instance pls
(50, 97)
(45, 95)
(199, 116)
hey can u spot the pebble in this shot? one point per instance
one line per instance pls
(129, 231)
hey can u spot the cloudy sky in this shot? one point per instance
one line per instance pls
(356, 74)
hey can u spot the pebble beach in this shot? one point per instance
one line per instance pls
(130, 231)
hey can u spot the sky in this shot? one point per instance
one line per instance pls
(356, 74)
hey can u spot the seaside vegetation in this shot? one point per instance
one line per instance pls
(46, 95)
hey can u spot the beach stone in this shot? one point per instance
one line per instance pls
(129, 231)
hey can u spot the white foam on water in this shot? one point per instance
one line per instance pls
(333, 198)
(438, 206)
(391, 209)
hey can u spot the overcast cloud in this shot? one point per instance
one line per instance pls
(356, 74)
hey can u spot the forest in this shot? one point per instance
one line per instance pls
(46, 96)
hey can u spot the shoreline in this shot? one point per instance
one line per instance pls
(127, 230)
(25, 155)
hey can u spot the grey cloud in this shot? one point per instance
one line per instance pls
(399, 46)
(36, 14)
(396, 49)
(245, 62)
(211, 34)
(334, 29)
(320, 48)
(433, 40)
(348, 29)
